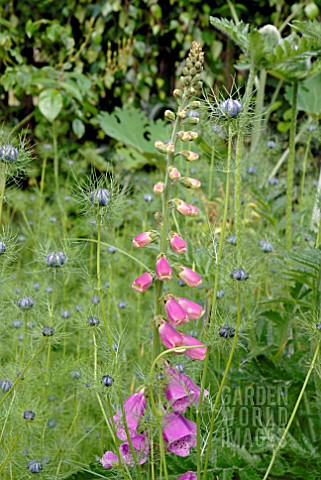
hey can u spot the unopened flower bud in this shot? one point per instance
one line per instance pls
(169, 115)
(182, 114)
(194, 104)
(161, 146)
(145, 238)
(163, 268)
(191, 278)
(230, 108)
(191, 121)
(173, 173)
(184, 208)
(177, 93)
(188, 182)
(100, 197)
(143, 282)
(169, 148)
(159, 187)
(158, 217)
(190, 156)
(177, 243)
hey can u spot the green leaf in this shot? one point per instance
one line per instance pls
(95, 159)
(50, 103)
(78, 127)
(309, 97)
(238, 33)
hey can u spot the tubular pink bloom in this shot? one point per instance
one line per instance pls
(193, 310)
(188, 476)
(134, 408)
(177, 243)
(145, 238)
(109, 460)
(175, 313)
(184, 208)
(173, 173)
(163, 268)
(195, 353)
(179, 434)
(141, 447)
(159, 187)
(141, 283)
(170, 337)
(191, 278)
(181, 391)
(188, 182)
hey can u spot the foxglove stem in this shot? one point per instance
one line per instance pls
(220, 390)
(238, 161)
(290, 173)
(304, 167)
(279, 445)
(102, 306)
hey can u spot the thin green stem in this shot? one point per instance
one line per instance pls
(3, 175)
(290, 172)
(22, 122)
(4, 463)
(56, 160)
(304, 168)
(210, 183)
(95, 356)
(279, 445)
(259, 105)
(63, 441)
(162, 454)
(220, 390)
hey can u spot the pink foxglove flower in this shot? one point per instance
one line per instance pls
(159, 187)
(175, 313)
(173, 173)
(191, 278)
(195, 353)
(184, 208)
(181, 391)
(141, 283)
(145, 238)
(163, 268)
(179, 434)
(177, 243)
(134, 408)
(170, 337)
(188, 476)
(109, 460)
(193, 310)
(141, 447)
(188, 182)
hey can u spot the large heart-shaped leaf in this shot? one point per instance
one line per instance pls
(50, 103)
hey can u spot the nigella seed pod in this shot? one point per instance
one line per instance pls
(25, 302)
(52, 423)
(8, 153)
(230, 108)
(232, 239)
(271, 144)
(220, 294)
(65, 314)
(3, 248)
(16, 324)
(93, 321)
(122, 305)
(34, 466)
(112, 250)
(273, 181)
(193, 114)
(239, 274)
(56, 259)
(100, 197)
(318, 326)
(226, 331)
(107, 380)
(5, 385)
(180, 367)
(48, 331)
(29, 415)
(95, 300)
(266, 246)
(75, 374)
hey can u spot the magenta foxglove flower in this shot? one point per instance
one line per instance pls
(175, 314)
(163, 268)
(134, 408)
(181, 391)
(184, 208)
(169, 336)
(195, 353)
(141, 447)
(188, 476)
(145, 238)
(109, 460)
(173, 173)
(179, 434)
(141, 283)
(159, 187)
(177, 243)
(191, 278)
(193, 310)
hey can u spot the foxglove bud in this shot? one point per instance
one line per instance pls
(145, 238)
(188, 182)
(190, 156)
(191, 121)
(143, 282)
(182, 114)
(163, 268)
(194, 104)
(191, 278)
(173, 173)
(170, 148)
(175, 314)
(239, 274)
(177, 243)
(169, 115)
(161, 146)
(56, 259)
(177, 93)
(3, 248)
(100, 197)
(159, 187)
(8, 153)
(184, 208)
(187, 136)
(230, 108)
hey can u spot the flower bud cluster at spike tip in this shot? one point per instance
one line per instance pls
(187, 136)
(143, 282)
(191, 278)
(169, 115)
(190, 156)
(100, 197)
(145, 238)
(56, 259)
(188, 182)
(191, 77)
(159, 187)
(8, 153)
(163, 268)
(160, 146)
(184, 208)
(173, 173)
(230, 108)
(177, 243)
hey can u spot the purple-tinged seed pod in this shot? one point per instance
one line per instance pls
(100, 197)
(48, 331)
(107, 380)
(220, 294)
(93, 321)
(226, 331)
(29, 415)
(56, 259)
(5, 385)
(3, 248)
(8, 153)
(65, 314)
(180, 367)
(230, 108)
(25, 302)
(239, 274)
(95, 300)
(34, 466)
